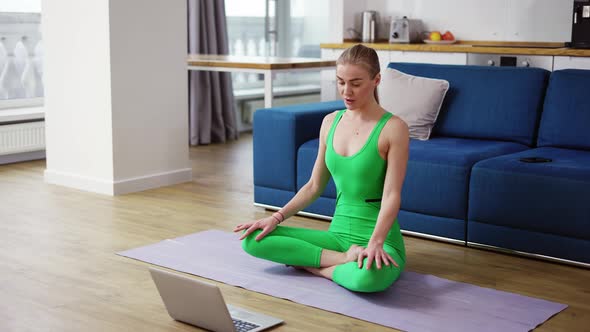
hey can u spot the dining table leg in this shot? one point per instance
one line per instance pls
(268, 89)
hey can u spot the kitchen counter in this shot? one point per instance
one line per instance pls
(553, 49)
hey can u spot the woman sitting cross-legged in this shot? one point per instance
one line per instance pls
(364, 149)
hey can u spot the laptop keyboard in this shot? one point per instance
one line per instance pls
(243, 326)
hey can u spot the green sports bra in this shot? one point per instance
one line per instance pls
(359, 178)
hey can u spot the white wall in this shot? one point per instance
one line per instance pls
(78, 88)
(335, 22)
(149, 86)
(501, 20)
(352, 15)
(316, 14)
(115, 94)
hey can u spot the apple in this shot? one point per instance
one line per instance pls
(448, 36)
(435, 36)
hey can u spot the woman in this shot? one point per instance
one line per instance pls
(365, 149)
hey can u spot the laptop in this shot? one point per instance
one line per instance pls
(201, 304)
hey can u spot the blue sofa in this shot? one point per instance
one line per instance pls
(467, 183)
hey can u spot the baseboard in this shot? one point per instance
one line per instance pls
(153, 181)
(119, 187)
(80, 182)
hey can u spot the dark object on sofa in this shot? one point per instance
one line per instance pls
(535, 160)
(466, 184)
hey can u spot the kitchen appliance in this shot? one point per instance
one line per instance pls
(405, 30)
(507, 60)
(581, 24)
(368, 27)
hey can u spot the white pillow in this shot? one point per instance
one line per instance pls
(417, 100)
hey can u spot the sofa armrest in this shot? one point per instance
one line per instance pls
(278, 133)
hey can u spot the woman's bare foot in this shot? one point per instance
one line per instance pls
(353, 253)
(313, 270)
(325, 272)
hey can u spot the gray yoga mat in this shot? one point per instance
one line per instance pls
(416, 302)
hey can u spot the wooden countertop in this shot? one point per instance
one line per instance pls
(552, 49)
(256, 62)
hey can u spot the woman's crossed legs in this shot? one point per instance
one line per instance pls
(325, 254)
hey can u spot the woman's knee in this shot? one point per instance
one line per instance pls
(358, 279)
(369, 281)
(249, 243)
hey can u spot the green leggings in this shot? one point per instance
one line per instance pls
(303, 247)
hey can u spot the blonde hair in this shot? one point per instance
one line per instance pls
(363, 56)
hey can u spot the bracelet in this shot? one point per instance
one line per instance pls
(282, 215)
(277, 219)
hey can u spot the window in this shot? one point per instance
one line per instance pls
(284, 28)
(246, 29)
(307, 28)
(21, 69)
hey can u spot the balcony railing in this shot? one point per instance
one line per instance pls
(21, 66)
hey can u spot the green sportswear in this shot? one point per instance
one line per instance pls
(359, 180)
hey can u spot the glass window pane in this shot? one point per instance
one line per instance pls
(20, 6)
(246, 31)
(250, 8)
(298, 26)
(308, 27)
(21, 69)
(306, 30)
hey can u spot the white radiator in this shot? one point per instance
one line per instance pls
(22, 137)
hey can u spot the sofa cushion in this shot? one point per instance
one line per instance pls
(438, 173)
(417, 100)
(499, 103)
(306, 157)
(547, 198)
(566, 113)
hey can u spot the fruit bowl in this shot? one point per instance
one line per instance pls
(439, 42)
(435, 37)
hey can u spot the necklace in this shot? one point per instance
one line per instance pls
(355, 130)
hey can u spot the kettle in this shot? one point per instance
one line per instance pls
(368, 27)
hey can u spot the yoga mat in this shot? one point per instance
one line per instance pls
(415, 302)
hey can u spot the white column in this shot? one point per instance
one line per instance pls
(115, 94)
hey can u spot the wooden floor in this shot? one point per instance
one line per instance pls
(59, 271)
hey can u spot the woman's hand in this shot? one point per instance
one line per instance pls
(267, 225)
(375, 252)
